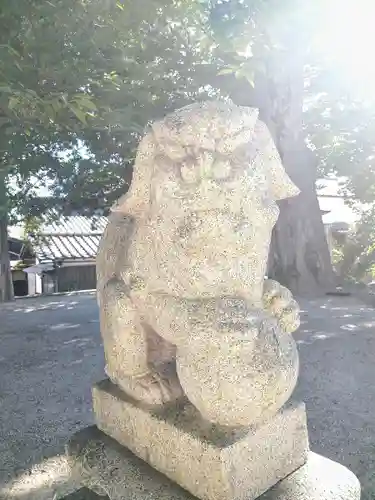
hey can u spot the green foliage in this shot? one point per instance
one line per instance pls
(86, 77)
(80, 79)
(340, 123)
(354, 256)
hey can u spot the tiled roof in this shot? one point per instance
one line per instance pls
(69, 238)
(75, 224)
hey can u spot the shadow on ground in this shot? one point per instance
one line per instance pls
(51, 355)
(337, 349)
(84, 494)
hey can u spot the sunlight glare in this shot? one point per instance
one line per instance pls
(41, 482)
(346, 39)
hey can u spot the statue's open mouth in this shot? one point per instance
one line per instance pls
(214, 221)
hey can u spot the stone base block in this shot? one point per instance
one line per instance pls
(211, 462)
(107, 468)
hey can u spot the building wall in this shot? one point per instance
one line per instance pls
(49, 282)
(20, 283)
(34, 283)
(74, 278)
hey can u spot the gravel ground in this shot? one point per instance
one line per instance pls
(50, 355)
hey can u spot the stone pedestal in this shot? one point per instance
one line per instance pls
(211, 462)
(106, 467)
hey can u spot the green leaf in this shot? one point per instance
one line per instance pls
(88, 104)
(226, 71)
(13, 102)
(56, 105)
(81, 115)
(13, 51)
(249, 75)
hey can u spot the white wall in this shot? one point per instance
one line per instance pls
(35, 283)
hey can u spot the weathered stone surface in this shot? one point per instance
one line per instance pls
(319, 479)
(108, 468)
(181, 270)
(212, 462)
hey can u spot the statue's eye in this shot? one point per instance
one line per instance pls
(190, 170)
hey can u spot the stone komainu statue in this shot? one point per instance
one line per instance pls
(184, 307)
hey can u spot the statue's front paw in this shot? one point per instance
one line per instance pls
(153, 388)
(279, 301)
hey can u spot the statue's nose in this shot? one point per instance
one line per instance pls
(217, 170)
(209, 185)
(221, 170)
(205, 168)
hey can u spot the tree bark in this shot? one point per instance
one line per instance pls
(299, 255)
(6, 284)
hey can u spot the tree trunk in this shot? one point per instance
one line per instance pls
(6, 284)
(299, 256)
